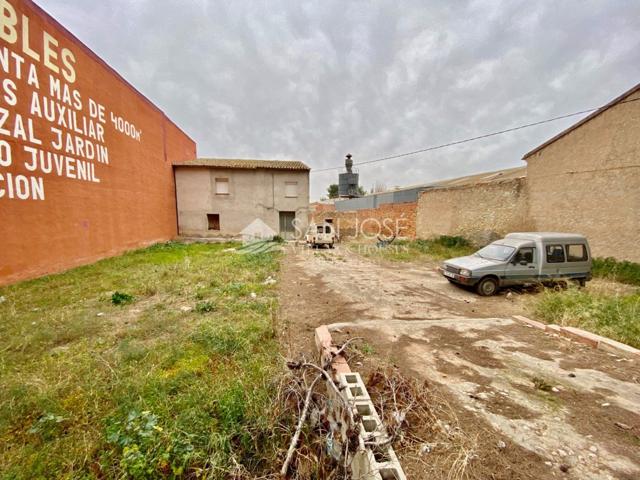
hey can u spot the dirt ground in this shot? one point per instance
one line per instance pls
(530, 404)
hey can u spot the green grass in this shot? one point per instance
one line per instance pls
(173, 379)
(619, 271)
(609, 315)
(440, 248)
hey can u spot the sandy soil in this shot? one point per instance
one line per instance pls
(584, 423)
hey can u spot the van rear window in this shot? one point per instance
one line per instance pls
(555, 254)
(576, 253)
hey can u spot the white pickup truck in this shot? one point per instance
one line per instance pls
(320, 234)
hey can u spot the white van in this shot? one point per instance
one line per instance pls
(522, 258)
(320, 234)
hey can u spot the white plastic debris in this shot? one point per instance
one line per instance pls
(253, 295)
(399, 417)
(100, 314)
(2, 299)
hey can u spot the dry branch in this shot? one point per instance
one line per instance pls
(296, 435)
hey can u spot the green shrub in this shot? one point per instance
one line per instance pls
(451, 242)
(205, 307)
(403, 250)
(620, 271)
(146, 448)
(119, 298)
(443, 247)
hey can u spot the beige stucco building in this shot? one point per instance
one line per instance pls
(586, 179)
(225, 198)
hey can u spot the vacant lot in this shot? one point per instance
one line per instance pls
(523, 404)
(610, 306)
(154, 364)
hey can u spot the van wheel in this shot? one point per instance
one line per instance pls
(560, 285)
(487, 286)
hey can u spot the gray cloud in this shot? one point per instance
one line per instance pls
(315, 80)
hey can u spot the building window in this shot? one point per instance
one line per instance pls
(555, 254)
(291, 189)
(222, 186)
(576, 253)
(213, 220)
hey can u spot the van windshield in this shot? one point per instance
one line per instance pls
(495, 251)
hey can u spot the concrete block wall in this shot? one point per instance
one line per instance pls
(376, 458)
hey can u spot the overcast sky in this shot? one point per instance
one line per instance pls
(313, 81)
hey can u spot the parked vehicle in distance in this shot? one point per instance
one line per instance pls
(320, 234)
(520, 259)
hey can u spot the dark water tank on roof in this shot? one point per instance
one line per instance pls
(348, 181)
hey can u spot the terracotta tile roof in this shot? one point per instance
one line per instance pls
(612, 103)
(244, 164)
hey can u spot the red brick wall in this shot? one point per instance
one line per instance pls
(51, 221)
(387, 219)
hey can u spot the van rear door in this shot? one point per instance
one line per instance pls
(578, 260)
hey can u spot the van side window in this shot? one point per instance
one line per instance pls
(525, 254)
(555, 254)
(576, 253)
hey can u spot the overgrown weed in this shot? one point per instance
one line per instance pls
(402, 250)
(611, 315)
(616, 270)
(142, 389)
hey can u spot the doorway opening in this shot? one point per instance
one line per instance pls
(287, 230)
